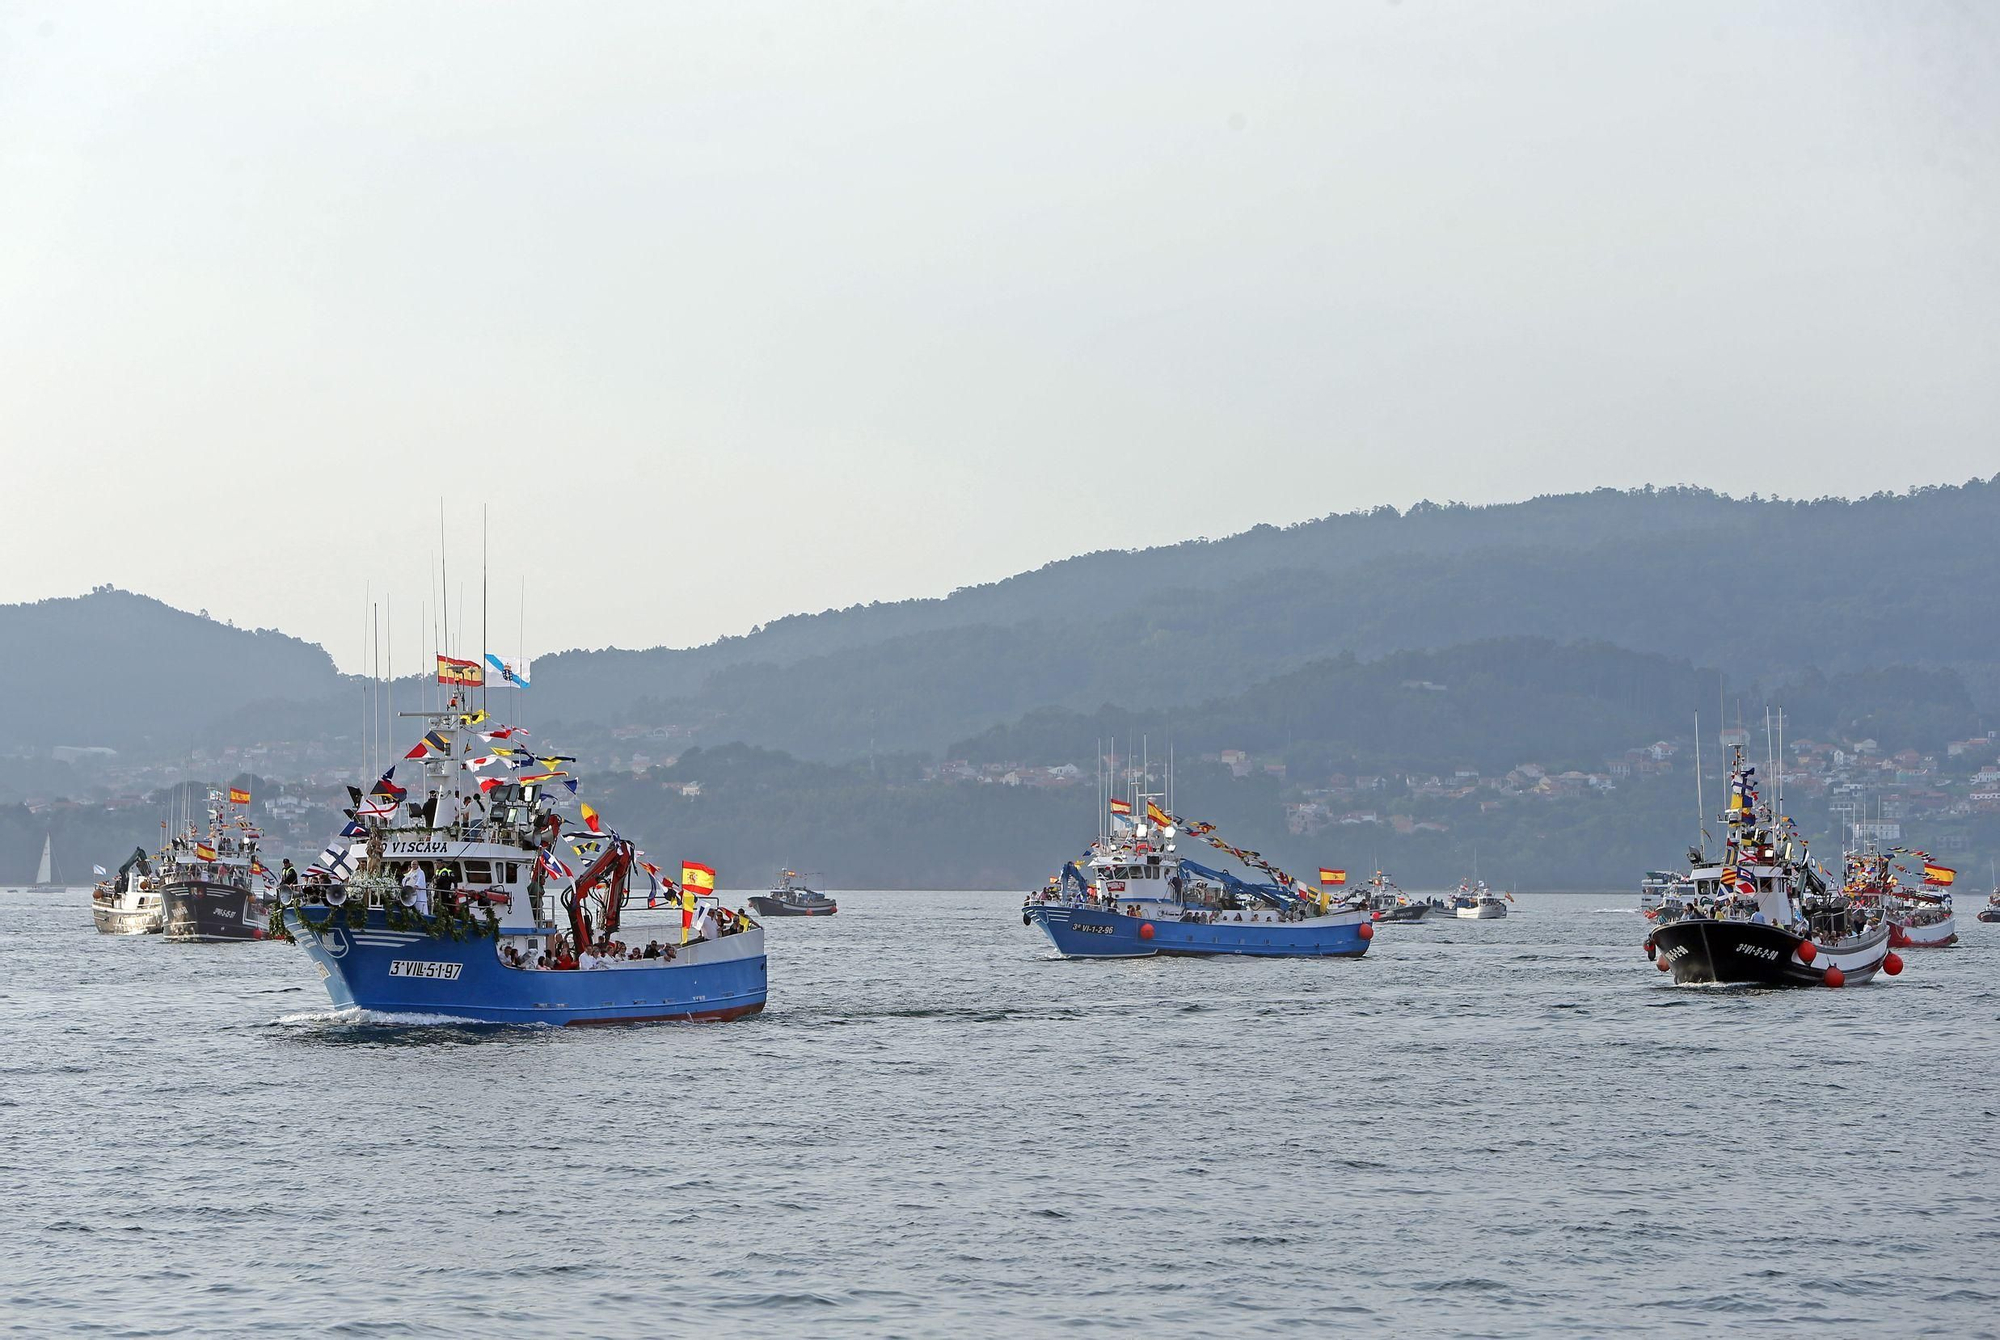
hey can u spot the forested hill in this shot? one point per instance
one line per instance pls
(123, 670)
(1764, 590)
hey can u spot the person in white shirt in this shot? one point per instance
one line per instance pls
(413, 880)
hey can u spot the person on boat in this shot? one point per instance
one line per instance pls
(418, 886)
(288, 875)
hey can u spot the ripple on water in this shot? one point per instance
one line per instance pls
(1508, 1130)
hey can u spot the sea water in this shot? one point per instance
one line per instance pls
(1500, 1128)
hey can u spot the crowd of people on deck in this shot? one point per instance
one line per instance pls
(1830, 919)
(608, 952)
(1210, 916)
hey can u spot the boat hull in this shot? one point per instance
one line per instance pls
(1408, 912)
(1749, 953)
(197, 911)
(1487, 913)
(410, 972)
(127, 921)
(1090, 932)
(1934, 935)
(768, 906)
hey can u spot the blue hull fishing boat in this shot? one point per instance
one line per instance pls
(488, 901)
(1134, 896)
(375, 967)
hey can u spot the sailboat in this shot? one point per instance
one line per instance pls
(45, 872)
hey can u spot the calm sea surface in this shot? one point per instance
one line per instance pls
(1487, 1129)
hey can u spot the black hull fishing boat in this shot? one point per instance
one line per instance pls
(209, 885)
(199, 910)
(792, 899)
(1762, 914)
(1751, 954)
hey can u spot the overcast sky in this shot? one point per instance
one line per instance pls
(736, 310)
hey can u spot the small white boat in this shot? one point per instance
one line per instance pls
(129, 902)
(1476, 902)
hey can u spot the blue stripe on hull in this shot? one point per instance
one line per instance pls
(355, 967)
(1087, 932)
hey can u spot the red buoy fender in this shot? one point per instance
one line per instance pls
(1807, 953)
(1892, 963)
(1145, 930)
(1835, 977)
(1367, 930)
(1665, 964)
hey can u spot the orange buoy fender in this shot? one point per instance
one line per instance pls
(1834, 976)
(1892, 963)
(1665, 963)
(1367, 930)
(1807, 953)
(1145, 930)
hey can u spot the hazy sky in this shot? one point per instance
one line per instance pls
(735, 310)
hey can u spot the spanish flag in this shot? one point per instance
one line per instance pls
(696, 876)
(1939, 875)
(451, 670)
(1121, 806)
(1156, 815)
(1330, 876)
(203, 852)
(238, 796)
(590, 819)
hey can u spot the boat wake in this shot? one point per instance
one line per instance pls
(354, 1016)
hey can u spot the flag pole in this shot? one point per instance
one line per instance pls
(482, 605)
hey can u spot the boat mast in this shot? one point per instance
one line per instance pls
(482, 606)
(444, 580)
(1700, 810)
(1780, 779)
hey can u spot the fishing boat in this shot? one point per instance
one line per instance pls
(1389, 905)
(1656, 887)
(1762, 913)
(212, 885)
(129, 902)
(1132, 895)
(792, 899)
(1919, 918)
(495, 900)
(1473, 901)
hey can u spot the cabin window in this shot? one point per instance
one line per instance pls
(513, 875)
(478, 872)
